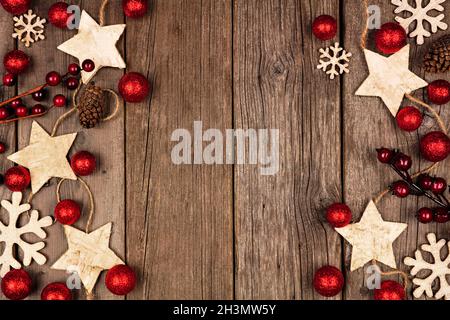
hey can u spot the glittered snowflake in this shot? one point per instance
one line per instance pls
(11, 235)
(334, 60)
(437, 270)
(420, 14)
(29, 28)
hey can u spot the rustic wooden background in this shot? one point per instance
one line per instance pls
(226, 232)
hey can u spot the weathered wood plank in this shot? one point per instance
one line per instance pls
(179, 218)
(281, 238)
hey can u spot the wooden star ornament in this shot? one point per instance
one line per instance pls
(372, 238)
(97, 43)
(45, 157)
(390, 78)
(88, 254)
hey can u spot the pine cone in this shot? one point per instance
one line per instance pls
(438, 57)
(91, 106)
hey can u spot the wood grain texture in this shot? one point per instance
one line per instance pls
(179, 218)
(281, 238)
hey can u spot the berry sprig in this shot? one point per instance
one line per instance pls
(424, 185)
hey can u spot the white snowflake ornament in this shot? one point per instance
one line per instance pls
(333, 60)
(420, 14)
(29, 28)
(11, 235)
(439, 269)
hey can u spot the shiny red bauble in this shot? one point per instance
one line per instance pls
(3, 148)
(21, 111)
(4, 113)
(16, 284)
(390, 38)
(58, 15)
(56, 291)
(60, 101)
(16, 61)
(425, 215)
(16, 7)
(120, 280)
(16, 103)
(339, 215)
(441, 215)
(324, 27)
(328, 281)
(83, 163)
(438, 186)
(435, 146)
(401, 189)
(385, 155)
(390, 290)
(135, 8)
(74, 69)
(17, 179)
(37, 109)
(53, 78)
(134, 87)
(425, 181)
(403, 162)
(439, 92)
(409, 119)
(39, 95)
(9, 80)
(72, 83)
(88, 65)
(67, 212)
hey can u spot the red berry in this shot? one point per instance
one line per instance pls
(435, 146)
(67, 212)
(409, 119)
(425, 215)
(4, 113)
(401, 189)
(390, 38)
(2, 147)
(339, 215)
(439, 92)
(53, 78)
(74, 69)
(441, 215)
(324, 27)
(38, 109)
(21, 111)
(425, 181)
(72, 83)
(39, 95)
(439, 186)
(59, 101)
(16, 103)
(385, 155)
(9, 80)
(88, 65)
(403, 162)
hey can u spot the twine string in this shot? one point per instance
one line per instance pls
(102, 12)
(366, 26)
(404, 275)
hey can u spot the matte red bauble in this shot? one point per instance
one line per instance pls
(17, 179)
(67, 212)
(134, 87)
(83, 163)
(16, 284)
(58, 15)
(439, 92)
(390, 290)
(435, 146)
(409, 119)
(324, 27)
(328, 281)
(390, 38)
(339, 215)
(16, 7)
(56, 291)
(135, 8)
(16, 61)
(120, 280)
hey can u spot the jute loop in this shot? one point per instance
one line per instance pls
(116, 108)
(404, 275)
(432, 110)
(101, 14)
(91, 199)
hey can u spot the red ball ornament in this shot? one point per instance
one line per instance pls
(53, 78)
(435, 146)
(339, 215)
(21, 111)
(60, 101)
(67, 212)
(439, 92)
(58, 15)
(17, 179)
(441, 215)
(401, 189)
(409, 119)
(16, 7)
(390, 290)
(425, 215)
(83, 163)
(390, 38)
(4, 113)
(16, 284)
(74, 69)
(16, 61)
(328, 281)
(134, 87)
(88, 65)
(3, 148)
(56, 291)
(120, 280)
(135, 8)
(9, 80)
(324, 27)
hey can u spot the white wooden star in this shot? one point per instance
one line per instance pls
(390, 78)
(88, 254)
(372, 238)
(45, 157)
(96, 43)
